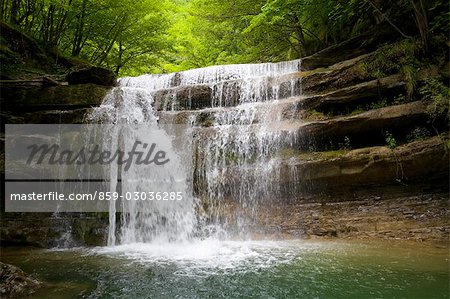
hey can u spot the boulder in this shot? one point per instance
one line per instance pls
(94, 75)
(16, 283)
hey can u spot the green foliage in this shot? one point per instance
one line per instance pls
(391, 59)
(122, 35)
(207, 32)
(400, 57)
(347, 144)
(441, 12)
(380, 104)
(418, 133)
(134, 37)
(438, 95)
(390, 140)
(313, 114)
(370, 106)
(400, 99)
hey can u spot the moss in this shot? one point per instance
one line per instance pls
(357, 111)
(400, 57)
(314, 115)
(437, 94)
(288, 153)
(390, 59)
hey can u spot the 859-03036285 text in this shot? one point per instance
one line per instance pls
(98, 195)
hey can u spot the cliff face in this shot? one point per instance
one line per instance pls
(370, 161)
(39, 86)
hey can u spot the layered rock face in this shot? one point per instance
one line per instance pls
(34, 90)
(362, 154)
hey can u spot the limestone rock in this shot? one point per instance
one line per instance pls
(375, 165)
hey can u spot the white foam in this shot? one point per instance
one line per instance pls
(213, 255)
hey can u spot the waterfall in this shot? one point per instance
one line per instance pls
(232, 160)
(128, 116)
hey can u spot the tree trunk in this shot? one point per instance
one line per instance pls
(421, 18)
(15, 6)
(119, 62)
(299, 35)
(78, 36)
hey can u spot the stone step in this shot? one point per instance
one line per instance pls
(356, 94)
(372, 166)
(290, 108)
(367, 127)
(362, 129)
(70, 116)
(229, 93)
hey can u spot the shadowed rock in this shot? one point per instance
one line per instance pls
(353, 47)
(93, 75)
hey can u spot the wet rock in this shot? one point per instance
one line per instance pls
(16, 283)
(184, 98)
(356, 94)
(227, 94)
(75, 116)
(351, 171)
(43, 230)
(93, 75)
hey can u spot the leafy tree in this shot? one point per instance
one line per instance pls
(132, 37)
(111, 33)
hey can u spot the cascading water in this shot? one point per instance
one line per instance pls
(130, 112)
(233, 158)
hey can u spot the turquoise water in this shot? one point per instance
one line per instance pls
(252, 269)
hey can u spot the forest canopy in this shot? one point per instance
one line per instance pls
(135, 37)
